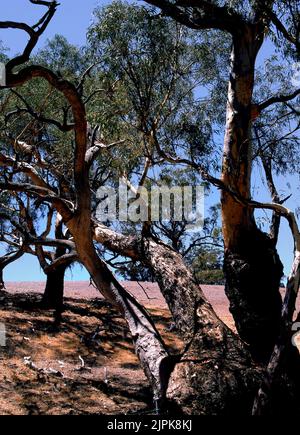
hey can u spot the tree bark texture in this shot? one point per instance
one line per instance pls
(252, 267)
(214, 372)
(54, 290)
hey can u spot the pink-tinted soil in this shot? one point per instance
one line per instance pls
(88, 364)
(147, 293)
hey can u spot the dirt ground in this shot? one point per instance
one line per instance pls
(88, 365)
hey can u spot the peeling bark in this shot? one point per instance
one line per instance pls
(214, 373)
(252, 267)
(149, 346)
(148, 343)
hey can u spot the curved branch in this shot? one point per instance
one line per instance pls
(64, 260)
(34, 35)
(14, 222)
(80, 124)
(93, 152)
(39, 241)
(277, 99)
(127, 246)
(64, 127)
(26, 169)
(63, 206)
(282, 29)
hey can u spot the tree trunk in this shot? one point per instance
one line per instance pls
(282, 373)
(54, 290)
(53, 297)
(252, 267)
(5, 261)
(149, 345)
(2, 284)
(214, 373)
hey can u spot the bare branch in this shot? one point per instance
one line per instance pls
(49, 223)
(277, 99)
(282, 29)
(34, 34)
(64, 207)
(40, 241)
(66, 259)
(25, 168)
(93, 152)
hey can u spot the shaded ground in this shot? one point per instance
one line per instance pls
(86, 367)
(147, 293)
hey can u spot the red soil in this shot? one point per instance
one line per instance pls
(41, 366)
(147, 293)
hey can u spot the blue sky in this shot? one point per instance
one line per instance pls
(71, 20)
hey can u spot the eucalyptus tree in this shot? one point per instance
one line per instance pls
(140, 110)
(24, 138)
(252, 266)
(164, 77)
(74, 205)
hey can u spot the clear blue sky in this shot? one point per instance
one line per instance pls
(71, 20)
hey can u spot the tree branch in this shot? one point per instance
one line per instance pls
(66, 259)
(63, 206)
(93, 152)
(27, 169)
(80, 124)
(277, 99)
(200, 14)
(64, 127)
(34, 35)
(282, 29)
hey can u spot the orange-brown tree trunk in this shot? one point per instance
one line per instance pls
(252, 267)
